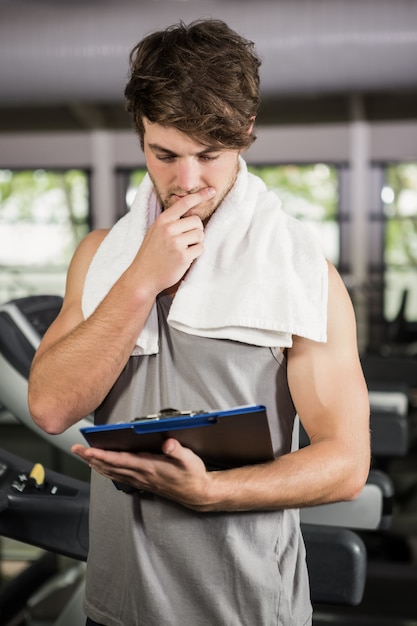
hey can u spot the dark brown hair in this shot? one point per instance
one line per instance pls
(201, 78)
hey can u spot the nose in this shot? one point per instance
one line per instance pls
(188, 174)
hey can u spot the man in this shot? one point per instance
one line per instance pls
(206, 295)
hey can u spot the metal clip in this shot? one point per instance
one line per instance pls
(164, 413)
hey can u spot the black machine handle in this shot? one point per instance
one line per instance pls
(51, 514)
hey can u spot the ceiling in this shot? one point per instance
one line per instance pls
(63, 64)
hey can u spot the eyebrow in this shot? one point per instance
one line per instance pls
(155, 147)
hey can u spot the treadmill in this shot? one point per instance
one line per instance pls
(23, 323)
(38, 506)
(44, 508)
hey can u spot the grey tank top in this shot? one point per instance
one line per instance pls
(153, 562)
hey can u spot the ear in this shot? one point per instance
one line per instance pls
(252, 123)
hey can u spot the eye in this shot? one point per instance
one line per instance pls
(208, 157)
(166, 158)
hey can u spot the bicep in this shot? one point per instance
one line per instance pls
(326, 379)
(70, 314)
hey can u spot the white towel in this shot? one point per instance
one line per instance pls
(261, 279)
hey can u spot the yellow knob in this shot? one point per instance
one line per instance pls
(38, 474)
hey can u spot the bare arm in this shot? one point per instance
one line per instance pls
(331, 398)
(79, 360)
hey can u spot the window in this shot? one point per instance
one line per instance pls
(43, 216)
(399, 200)
(309, 193)
(134, 180)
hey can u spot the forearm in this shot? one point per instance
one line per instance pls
(318, 474)
(70, 378)
(325, 471)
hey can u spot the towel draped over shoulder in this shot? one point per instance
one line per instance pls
(261, 279)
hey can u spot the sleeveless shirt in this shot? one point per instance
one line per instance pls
(153, 562)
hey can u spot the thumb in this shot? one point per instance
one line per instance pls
(171, 448)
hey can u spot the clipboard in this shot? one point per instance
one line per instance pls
(223, 439)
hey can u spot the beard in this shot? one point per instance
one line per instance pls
(204, 210)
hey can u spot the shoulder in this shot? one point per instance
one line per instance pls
(71, 314)
(81, 261)
(340, 307)
(91, 242)
(340, 318)
(87, 248)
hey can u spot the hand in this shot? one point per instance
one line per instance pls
(172, 243)
(177, 474)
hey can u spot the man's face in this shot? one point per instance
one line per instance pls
(179, 166)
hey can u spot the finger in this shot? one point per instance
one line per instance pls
(170, 447)
(175, 451)
(187, 202)
(186, 225)
(119, 460)
(89, 454)
(79, 450)
(191, 237)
